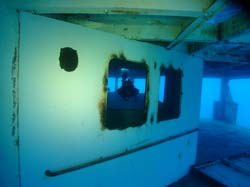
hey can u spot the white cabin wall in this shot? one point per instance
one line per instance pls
(60, 120)
(8, 107)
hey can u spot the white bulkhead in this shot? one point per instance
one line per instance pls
(60, 113)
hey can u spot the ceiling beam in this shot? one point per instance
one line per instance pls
(225, 69)
(226, 58)
(190, 8)
(208, 14)
(236, 29)
(224, 52)
(136, 32)
(143, 29)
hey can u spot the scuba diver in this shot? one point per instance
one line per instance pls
(127, 90)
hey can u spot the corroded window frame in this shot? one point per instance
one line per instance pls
(120, 118)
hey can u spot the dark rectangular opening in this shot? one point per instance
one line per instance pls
(126, 96)
(169, 100)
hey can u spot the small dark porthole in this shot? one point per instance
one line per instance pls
(68, 59)
(126, 96)
(169, 102)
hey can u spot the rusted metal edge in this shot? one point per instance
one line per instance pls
(15, 93)
(53, 173)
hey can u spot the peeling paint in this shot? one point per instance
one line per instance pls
(172, 67)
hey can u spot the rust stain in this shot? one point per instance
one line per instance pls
(102, 110)
(103, 101)
(102, 104)
(112, 56)
(122, 56)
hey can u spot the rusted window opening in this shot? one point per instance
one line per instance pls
(126, 94)
(169, 102)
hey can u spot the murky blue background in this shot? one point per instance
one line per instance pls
(240, 92)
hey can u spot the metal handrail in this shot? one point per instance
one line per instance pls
(51, 173)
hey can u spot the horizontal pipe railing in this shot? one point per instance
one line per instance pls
(51, 173)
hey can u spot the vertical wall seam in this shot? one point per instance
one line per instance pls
(15, 96)
(15, 92)
(18, 61)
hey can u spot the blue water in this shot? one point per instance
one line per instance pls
(240, 92)
(210, 93)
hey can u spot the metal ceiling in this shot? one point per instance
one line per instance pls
(216, 30)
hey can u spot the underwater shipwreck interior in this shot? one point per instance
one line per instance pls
(150, 93)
